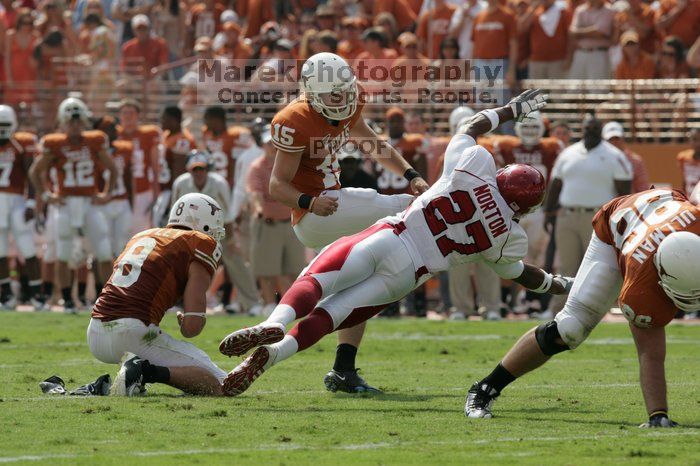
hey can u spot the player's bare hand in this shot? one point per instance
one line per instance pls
(180, 317)
(419, 186)
(101, 198)
(324, 206)
(549, 222)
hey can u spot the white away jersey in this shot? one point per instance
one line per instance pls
(462, 218)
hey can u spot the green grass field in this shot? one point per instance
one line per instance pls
(582, 408)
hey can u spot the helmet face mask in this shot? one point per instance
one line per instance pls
(72, 110)
(676, 262)
(330, 85)
(8, 122)
(198, 212)
(531, 129)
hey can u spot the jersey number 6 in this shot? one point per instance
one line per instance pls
(475, 230)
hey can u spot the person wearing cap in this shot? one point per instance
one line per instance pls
(325, 18)
(126, 10)
(635, 63)
(204, 49)
(614, 133)
(637, 16)
(401, 10)
(276, 255)
(145, 51)
(232, 47)
(376, 55)
(585, 176)
(351, 45)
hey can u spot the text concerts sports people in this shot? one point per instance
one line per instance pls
(469, 215)
(75, 154)
(158, 268)
(645, 254)
(308, 133)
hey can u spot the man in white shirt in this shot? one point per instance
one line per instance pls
(461, 25)
(199, 179)
(586, 175)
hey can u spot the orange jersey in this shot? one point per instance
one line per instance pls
(690, 169)
(301, 130)
(225, 147)
(75, 163)
(635, 225)
(204, 21)
(120, 152)
(145, 139)
(150, 275)
(14, 156)
(412, 147)
(509, 149)
(174, 145)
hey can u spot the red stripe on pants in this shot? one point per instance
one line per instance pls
(310, 330)
(303, 296)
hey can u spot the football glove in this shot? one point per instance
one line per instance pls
(529, 101)
(564, 282)
(659, 419)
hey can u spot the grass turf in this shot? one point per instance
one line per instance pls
(581, 408)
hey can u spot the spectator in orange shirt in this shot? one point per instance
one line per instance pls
(680, 18)
(547, 26)
(204, 20)
(376, 55)
(144, 52)
(638, 17)
(495, 41)
(234, 48)
(635, 63)
(614, 133)
(351, 45)
(672, 64)
(414, 64)
(401, 10)
(461, 26)
(19, 63)
(433, 27)
(689, 162)
(258, 13)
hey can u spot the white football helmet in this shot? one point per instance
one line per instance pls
(458, 117)
(8, 121)
(73, 108)
(200, 213)
(330, 85)
(531, 129)
(678, 263)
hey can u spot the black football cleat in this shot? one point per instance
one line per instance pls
(479, 401)
(129, 379)
(348, 382)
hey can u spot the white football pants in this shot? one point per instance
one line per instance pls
(77, 213)
(12, 220)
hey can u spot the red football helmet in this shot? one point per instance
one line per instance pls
(522, 186)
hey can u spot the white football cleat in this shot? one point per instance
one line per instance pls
(243, 376)
(241, 341)
(492, 315)
(129, 379)
(480, 398)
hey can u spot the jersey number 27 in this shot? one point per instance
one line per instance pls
(446, 207)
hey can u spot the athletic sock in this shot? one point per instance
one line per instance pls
(154, 374)
(226, 289)
(499, 378)
(345, 357)
(5, 290)
(82, 288)
(286, 348)
(66, 294)
(48, 289)
(98, 289)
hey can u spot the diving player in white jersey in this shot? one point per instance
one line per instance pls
(469, 215)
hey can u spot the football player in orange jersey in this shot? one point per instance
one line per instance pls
(118, 210)
(222, 142)
(178, 142)
(74, 153)
(16, 206)
(308, 133)
(145, 139)
(645, 254)
(158, 268)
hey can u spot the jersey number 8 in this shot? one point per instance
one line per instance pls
(129, 266)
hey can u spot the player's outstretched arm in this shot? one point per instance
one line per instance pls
(192, 321)
(651, 351)
(518, 108)
(537, 280)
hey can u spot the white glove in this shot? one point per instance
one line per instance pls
(565, 282)
(529, 101)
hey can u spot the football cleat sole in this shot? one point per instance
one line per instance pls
(241, 341)
(243, 376)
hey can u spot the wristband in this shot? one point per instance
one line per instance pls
(546, 283)
(492, 116)
(410, 174)
(304, 201)
(311, 205)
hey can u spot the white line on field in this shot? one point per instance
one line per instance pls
(349, 447)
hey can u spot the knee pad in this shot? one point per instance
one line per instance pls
(25, 244)
(546, 335)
